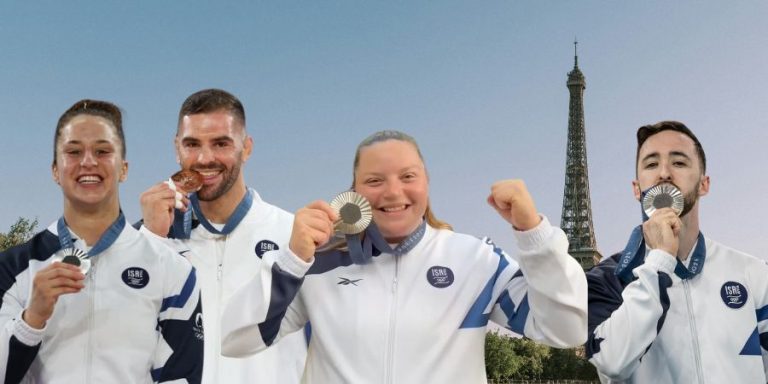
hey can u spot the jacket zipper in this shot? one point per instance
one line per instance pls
(694, 334)
(91, 310)
(388, 370)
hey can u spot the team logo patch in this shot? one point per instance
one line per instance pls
(440, 277)
(136, 277)
(734, 294)
(265, 246)
(198, 327)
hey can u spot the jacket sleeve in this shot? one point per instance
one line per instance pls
(623, 324)
(759, 285)
(544, 299)
(267, 307)
(19, 343)
(179, 355)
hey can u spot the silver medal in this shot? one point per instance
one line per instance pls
(355, 215)
(76, 257)
(663, 196)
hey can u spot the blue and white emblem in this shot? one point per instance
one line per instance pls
(265, 246)
(440, 277)
(136, 277)
(734, 294)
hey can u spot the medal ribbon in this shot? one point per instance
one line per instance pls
(633, 254)
(105, 241)
(362, 252)
(237, 216)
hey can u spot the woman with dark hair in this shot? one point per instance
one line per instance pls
(414, 305)
(90, 299)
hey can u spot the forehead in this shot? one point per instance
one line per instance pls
(89, 129)
(216, 124)
(666, 142)
(395, 154)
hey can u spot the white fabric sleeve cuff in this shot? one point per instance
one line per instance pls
(143, 229)
(661, 261)
(25, 334)
(289, 262)
(534, 237)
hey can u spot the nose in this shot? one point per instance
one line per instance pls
(88, 159)
(664, 172)
(393, 189)
(205, 156)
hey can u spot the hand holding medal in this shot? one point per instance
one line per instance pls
(185, 181)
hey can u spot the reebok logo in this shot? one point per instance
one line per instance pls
(345, 281)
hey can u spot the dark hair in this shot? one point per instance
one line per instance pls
(212, 100)
(646, 131)
(381, 136)
(98, 108)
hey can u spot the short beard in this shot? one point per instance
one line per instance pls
(229, 179)
(689, 200)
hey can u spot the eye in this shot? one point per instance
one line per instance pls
(190, 144)
(680, 164)
(72, 152)
(651, 165)
(410, 176)
(103, 152)
(373, 181)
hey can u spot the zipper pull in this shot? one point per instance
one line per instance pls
(394, 285)
(219, 272)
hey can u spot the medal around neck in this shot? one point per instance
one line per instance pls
(76, 257)
(355, 216)
(663, 195)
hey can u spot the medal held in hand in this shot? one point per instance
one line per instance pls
(663, 195)
(355, 215)
(76, 257)
(188, 180)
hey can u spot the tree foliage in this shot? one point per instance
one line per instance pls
(509, 358)
(20, 232)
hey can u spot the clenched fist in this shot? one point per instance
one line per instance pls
(513, 202)
(662, 231)
(312, 227)
(49, 283)
(157, 204)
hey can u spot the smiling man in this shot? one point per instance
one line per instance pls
(676, 306)
(223, 229)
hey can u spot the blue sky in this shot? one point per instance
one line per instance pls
(480, 85)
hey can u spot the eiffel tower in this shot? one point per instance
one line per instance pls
(576, 220)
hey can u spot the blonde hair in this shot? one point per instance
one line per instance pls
(381, 136)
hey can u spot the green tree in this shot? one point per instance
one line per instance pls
(20, 232)
(501, 360)
(533, 356)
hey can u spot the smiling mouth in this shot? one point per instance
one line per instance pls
(397, 208)
(89, 179)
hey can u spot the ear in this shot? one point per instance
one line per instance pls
(123, 171)
(636, 189)
(55, 173)
(247, 147)
(704, 185)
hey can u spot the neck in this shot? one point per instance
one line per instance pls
(90, 224)
(689, 233)
(218, 211)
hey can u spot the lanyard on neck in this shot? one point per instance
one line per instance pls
(237, 216)
(361, 252)
(105, 241)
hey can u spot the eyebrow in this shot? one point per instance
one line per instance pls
(655, 155)
(79, 142)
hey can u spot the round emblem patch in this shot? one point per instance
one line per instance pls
(265, 246)
(136, 277)
(734, 294)
(440, 277)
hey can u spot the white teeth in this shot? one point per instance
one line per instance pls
(209, 173)
(89, 179)
(393, 209)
